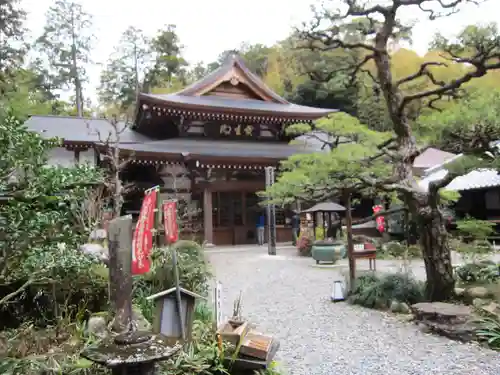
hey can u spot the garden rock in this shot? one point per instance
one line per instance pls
(479, 302)
(399, 307)
(459, 292)
(404, 308)
(492, 308)
(394, 306)
(445, 319)
(478, 292)
(96, 325)
(95, 250)
(140, 321)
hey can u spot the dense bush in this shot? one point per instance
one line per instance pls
(489, 331)
(471, 242)
(378, 292)
(480, 272)
(50, 351)
(194, 273)
(398, 250)
(42, 273)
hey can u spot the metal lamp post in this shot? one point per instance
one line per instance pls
(271, 215)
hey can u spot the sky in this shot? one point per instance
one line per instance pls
(208, 27)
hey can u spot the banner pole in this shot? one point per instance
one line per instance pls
(158, 216)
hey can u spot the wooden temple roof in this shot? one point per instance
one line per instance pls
(230, 92)
(216, 104)
(82, 130)
(87, 132)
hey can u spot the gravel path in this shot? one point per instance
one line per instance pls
(289, 299)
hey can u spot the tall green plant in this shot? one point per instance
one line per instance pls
(39, 237)
(475, 232)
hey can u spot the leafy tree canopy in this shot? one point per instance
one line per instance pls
(338, 168)
(39, 237)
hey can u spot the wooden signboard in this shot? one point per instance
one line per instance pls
(232, 131)
(232, 332)
(256, 345)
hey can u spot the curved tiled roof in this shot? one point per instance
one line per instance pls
(75, 129)
(258, 107)
(477, 179)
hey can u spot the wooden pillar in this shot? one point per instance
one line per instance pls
(208, 227)
(120, 278)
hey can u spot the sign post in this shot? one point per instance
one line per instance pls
(218, 304)
(271, 215)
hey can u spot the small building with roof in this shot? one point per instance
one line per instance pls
(479, 191)
(208, 143)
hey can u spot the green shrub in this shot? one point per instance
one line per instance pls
(474, 228)
(378, 292)
(201, 356)
(193, 274)
(193, 269)
(479, 272)
(489, 331)
(398, 250)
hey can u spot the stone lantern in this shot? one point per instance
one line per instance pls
(131, 353)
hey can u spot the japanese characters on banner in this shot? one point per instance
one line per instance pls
(142, 242)
(170, 220)
(218, 304)
(379, 220)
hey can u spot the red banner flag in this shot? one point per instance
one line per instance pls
(142, 242)
(379, 220)
(170, 220)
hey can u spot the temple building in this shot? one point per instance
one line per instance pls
(207, 145)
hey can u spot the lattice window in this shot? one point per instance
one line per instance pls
(225, 208)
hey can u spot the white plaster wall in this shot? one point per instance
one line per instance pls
(61, 157)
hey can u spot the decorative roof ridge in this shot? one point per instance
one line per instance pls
(226, 73)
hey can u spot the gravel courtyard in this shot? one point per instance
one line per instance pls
(288, 298)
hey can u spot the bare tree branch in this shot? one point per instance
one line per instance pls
(480, 69)
(115, 162)
(423, 71)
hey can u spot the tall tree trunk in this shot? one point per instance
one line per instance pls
(74, 68)
(435, 248)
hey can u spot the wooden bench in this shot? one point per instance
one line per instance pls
(366, 251)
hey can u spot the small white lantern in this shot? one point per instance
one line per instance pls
(338, 291)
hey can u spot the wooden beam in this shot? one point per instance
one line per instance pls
(207, 216)
(245, 186)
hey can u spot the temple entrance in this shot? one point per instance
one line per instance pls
(234, 217)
